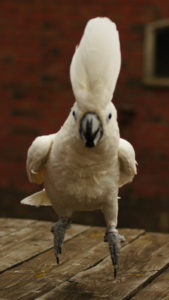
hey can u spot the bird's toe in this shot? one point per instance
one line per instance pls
(114, 246)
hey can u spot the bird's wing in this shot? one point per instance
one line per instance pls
(127, 162)
(37, 156)
(37, 199)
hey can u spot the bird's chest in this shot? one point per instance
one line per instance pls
(86, 185)
(82, 181)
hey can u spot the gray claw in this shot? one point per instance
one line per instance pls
(114, 239)
(58, 231)
(121, 238)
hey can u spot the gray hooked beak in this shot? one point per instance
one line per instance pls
(91, 129)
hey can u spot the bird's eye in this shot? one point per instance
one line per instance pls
(74, 114)
(109, 116)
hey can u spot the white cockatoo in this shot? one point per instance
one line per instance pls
(83, 165)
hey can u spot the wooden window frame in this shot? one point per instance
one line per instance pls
(149, 77)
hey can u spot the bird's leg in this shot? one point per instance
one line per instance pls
(112, 236)
(58, 231)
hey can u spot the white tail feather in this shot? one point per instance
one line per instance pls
(37, 199)
(96, 63)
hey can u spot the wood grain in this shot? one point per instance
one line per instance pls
(86, 261)
(41, 274)
(8, 226)
(158, 289)
(29, 241)
(139, 263)
(29, 271)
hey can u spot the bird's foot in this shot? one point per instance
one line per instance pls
(121, 238)
(58, 231)
(114, 239)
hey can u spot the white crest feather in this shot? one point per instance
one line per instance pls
(96, 63)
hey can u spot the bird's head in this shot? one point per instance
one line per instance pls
(94, 72)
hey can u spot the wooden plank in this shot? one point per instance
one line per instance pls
(140, 261)
(30, 241)
(158, 289)
(9, 225)
(41, 274)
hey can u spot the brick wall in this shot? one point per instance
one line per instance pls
(37, 41)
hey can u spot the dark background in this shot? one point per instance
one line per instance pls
(37, 41)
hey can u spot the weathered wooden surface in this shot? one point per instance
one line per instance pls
(28, 268)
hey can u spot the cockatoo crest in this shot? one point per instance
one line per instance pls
(96, 64)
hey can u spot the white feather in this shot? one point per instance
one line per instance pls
(37, 199)
(96, 64)
(37, 155)
(127, 162)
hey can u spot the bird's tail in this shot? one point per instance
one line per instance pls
(37, 199)
(96, 63)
